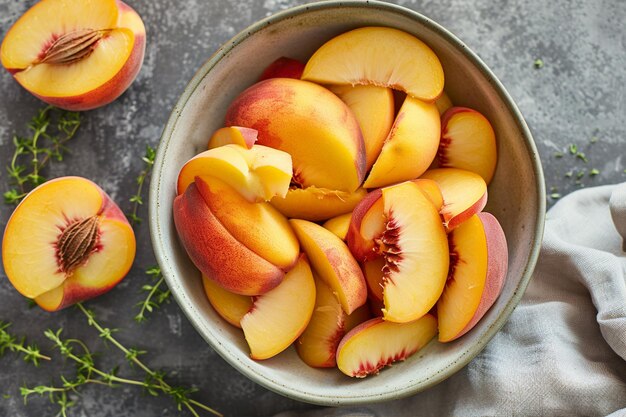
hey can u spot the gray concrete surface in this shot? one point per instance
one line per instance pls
(578, 94)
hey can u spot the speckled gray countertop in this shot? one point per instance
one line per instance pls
(577, 97)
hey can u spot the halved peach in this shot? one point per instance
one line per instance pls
(230, 306)
(310, 123)
(443, 103)
(339, 225)
(372, 345)
(278, 317)
(214, 250)
(464, 194)
(467, 142)
(283, 67)
(373, 108)
(333, 262)
(258, 226)
(236, 135)
(478, 267)
(410, 146)
(258, 173)
(67, 242)
(315, 204)
(74, 54)
(380, 56)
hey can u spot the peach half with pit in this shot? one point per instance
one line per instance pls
(478, 268)
(245, 247)
(380, 56)
(67, 242)
(74, 54)
(310, 123)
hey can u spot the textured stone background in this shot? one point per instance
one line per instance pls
(578, 94)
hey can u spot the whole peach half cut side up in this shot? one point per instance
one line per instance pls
(377, 343)
(478, 268)
(67, 242)
(379, 56)
(82, 55)
(310, 123)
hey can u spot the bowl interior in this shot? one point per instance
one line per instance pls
(516, 195)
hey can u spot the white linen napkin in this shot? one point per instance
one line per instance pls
(563, 350)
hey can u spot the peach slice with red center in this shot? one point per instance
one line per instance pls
(230, 306)
(74, 54)
(236, 135)
(380, 56)
(258, 173)
(283, 67)
(464, 194)
(372, 345)
(317, 346)
(339, 225)
(333, 262)
(316, 204)
(67, 242)
(410, 146)
(278, 317)
(373, 108)
(468, 142)
(478, 267)
(309, 122)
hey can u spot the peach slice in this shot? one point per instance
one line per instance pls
(82, 55)
(468, 142)
(372, 345)
(339, 225)
(258, 173)
(358, 316)
(315, 204)
(373, 108)
(334, 263)
(237, 135)
(278, 317)
(410, 146)
(258, 226)
(374, 277)
(478, 267)
(283, 67)
(317, 346)
(380, 56)
(230, 306)
(464, 194)
(215, 252)
(310, 123)
(67, 242)
(415, 248)
(443, 103)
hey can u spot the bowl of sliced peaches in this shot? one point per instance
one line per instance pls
(344, 186)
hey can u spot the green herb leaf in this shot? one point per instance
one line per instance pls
(538, 63)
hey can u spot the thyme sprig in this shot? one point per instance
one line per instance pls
(10, 342)
(49, 131)
(137, 199)
(157, 295)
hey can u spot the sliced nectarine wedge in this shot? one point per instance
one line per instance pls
(310, 123)
(478, 266)
(74, 54)
(380, 56)
(230, 306)
(372, 345)
(410, 146)
(333, 262)
(278, 317)
(339, 225)
(66, 242)
(373, 108)
(236, 135)
(315, 204)
(464, 194)
(467, 142)
(258, 173)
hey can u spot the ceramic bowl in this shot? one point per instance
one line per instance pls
(516, 194)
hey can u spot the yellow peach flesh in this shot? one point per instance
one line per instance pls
(315, 204)
(380, 56)
(443, 103)
(230, 306)
(339, 225)
(236, 135)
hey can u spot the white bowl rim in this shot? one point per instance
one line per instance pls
(296, 391)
